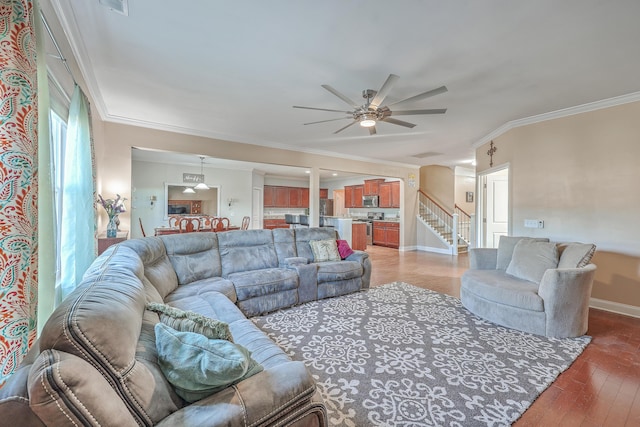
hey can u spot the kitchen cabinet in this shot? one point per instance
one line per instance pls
(184, 207)
(353, 196)
(389, 194)
(372, 187)
(276, 196)
(386, 233)
(270, 224)
(359, 236)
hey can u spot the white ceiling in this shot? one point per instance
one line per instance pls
(233, 70)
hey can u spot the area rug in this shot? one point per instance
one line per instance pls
(398, 355)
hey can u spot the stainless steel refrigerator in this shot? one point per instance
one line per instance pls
(326, 207)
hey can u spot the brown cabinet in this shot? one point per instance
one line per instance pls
(386, 234)
(104, 242)
(184, 207)
(359, 236)
(389, 194)
(270, 224)
(372, 186)
(353, 196)
(276, 196)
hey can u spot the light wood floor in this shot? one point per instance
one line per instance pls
(601, 388)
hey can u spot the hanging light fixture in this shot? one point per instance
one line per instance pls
(367, 120)
(201, 185)
(188, 190)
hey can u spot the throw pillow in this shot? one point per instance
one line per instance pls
(197, 366)
(531, 259)
(344, 249)
(324, 250)
(190, 321)
(575, 255)
(506, 244)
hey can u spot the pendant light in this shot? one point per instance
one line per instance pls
(188, 190)
(201, 185)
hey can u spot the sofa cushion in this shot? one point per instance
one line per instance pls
(217, 284)
(158, 269)
(305, 235)
(324, 250)
(499, 287)
(194, 256)
(506, 244)
(190, 321)
(575, 255)
(246, 250)
(198, 366)
(344, 249)
(250, 284)
(338, 270)
(211, 304)
(531, 259)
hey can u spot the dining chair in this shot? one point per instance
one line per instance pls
(209, 223)
(245, 223)
(189, 224)
(174, 221)
(224, 224)
(141, 227)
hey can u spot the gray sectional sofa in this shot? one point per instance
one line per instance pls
(532, 285)
(96, 361)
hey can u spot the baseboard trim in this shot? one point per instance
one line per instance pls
(615, 307)
(436, 250)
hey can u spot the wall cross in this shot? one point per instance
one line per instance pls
(490, 153)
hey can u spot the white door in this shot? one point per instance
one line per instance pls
(496, 207)
(256, 209)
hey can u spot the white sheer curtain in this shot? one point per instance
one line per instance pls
(78, 198)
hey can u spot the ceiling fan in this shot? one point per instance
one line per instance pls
(372, 110)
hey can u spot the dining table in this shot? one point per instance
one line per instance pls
(163, 231)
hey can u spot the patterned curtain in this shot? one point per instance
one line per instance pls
(18, 182)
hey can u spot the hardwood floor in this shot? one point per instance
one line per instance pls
(601, 388)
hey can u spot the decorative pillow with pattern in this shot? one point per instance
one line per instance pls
(324, 250)
(190, 321)
(575, 255)
(344, 249)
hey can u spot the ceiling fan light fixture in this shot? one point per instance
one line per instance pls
(368, 120)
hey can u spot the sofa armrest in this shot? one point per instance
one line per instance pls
(566, 293)
(483, 258)
(363, 258)
(258, 400)
(293, 261)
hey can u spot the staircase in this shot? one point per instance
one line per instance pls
(452, 229)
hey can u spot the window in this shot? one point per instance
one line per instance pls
(58, 135)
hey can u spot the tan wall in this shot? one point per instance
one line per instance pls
(463, 185)
(439, 183)
(113, 162)
(580, 175)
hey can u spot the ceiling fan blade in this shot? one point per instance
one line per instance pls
(322, 109)
(397, 122)
(343, 128)
(423, 95)
(384, 90)
(414, 112)
(372, 130)
(323, 121)
(341, 96)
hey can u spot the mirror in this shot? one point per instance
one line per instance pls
(202, 202)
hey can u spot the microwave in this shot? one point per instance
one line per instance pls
(370, 201)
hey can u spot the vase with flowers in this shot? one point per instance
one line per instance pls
(113, 207)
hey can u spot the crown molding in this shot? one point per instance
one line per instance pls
(565, 112)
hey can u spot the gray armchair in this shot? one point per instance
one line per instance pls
(531, 285)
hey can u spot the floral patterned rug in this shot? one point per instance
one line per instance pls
(398, 355)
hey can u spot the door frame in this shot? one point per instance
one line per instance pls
(481, 203)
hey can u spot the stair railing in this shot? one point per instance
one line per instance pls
(464, 224)
(438, 217)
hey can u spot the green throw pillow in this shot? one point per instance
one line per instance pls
(324, 250)
(198, 366)
(190, 321)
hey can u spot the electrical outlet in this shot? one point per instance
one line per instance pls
(534, 223)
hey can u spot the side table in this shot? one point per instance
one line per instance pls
(104, 242)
